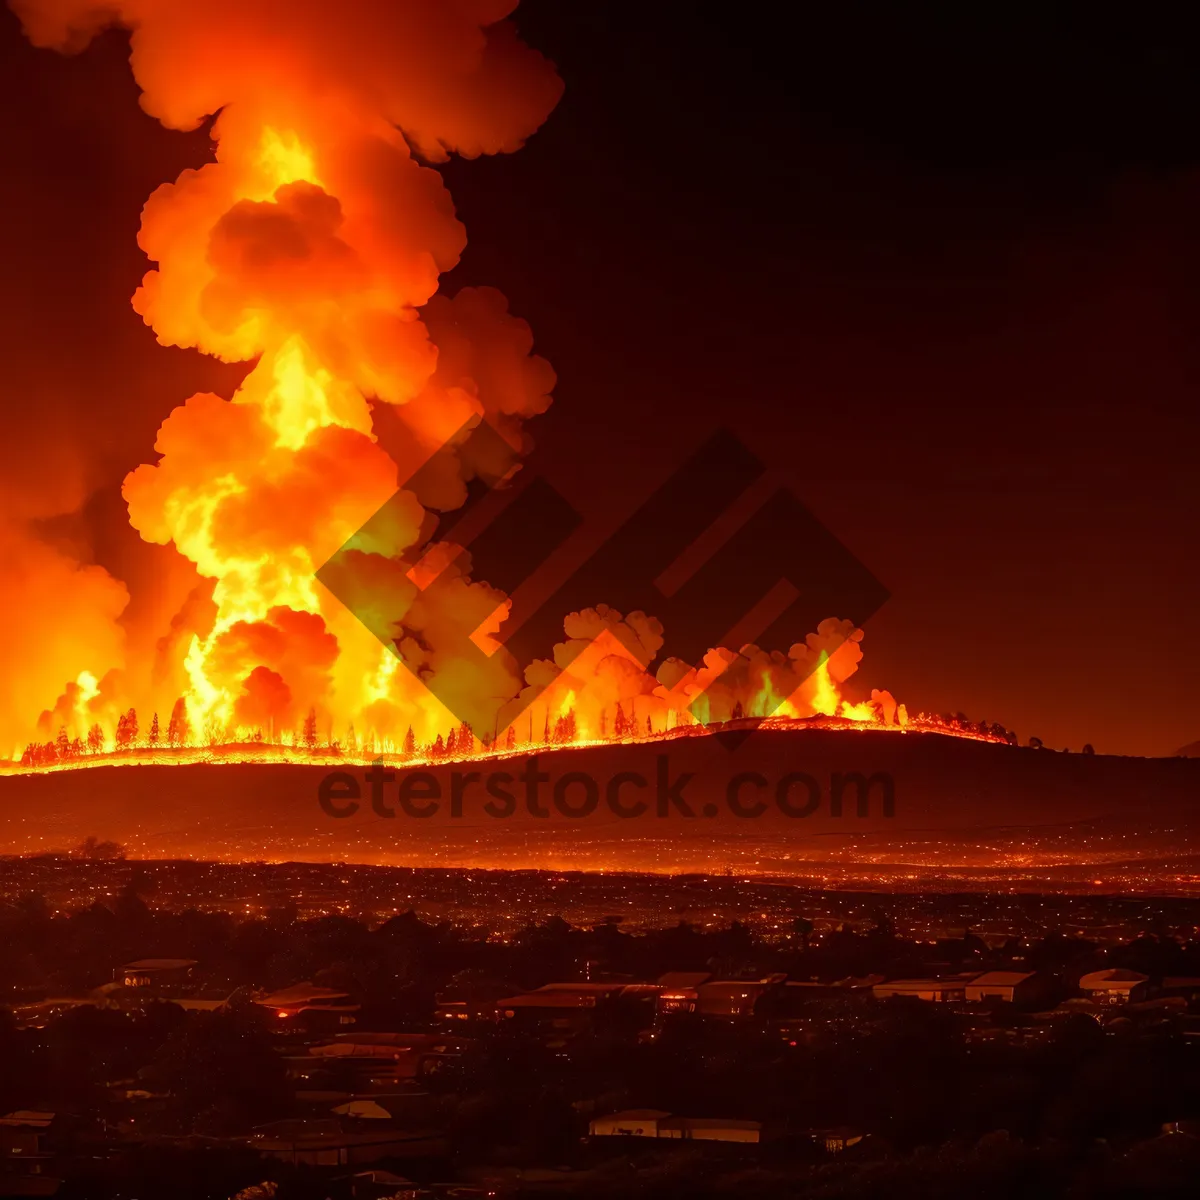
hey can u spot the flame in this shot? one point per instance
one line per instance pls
(311, 247)
(299, 402)
(282, 158)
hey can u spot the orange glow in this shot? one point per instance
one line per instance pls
(311, 247)
(283, 158)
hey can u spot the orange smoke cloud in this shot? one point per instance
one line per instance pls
(312, 247)
(309, 245)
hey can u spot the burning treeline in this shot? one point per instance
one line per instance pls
(311, 247)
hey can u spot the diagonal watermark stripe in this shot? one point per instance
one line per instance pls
(769, 579)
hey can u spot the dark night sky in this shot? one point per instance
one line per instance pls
(939, 263)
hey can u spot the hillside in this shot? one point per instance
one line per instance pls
(956, 803)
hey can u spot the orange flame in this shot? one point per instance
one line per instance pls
(312, 245)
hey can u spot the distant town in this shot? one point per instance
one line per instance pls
(308, 1030)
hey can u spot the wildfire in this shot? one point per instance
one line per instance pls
(311, 247)
(461, 745)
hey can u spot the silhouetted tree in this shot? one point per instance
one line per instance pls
(153, 736)
(130, 909)
(178, 728)
(93, 848)
(127, 729)
(565, 729)
(802, 927)
(222, 1071)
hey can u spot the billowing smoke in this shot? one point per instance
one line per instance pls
(60, 611)
(312, 247)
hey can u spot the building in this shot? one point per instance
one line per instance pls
(834, 1141)
(560, 1011)
(675, 1000)
(1014, 987)
(157, 973)
(634, 1122)
(1185, 986)
(324, 1143)
(360, 1061)
(653, 1123)
(935, 991)
(734, 998)
(384, 1185)
(1115, 985)
(728, 998)
(309, 1007)
(1190, 1129)
(683, 979)
(30, 1146)
(677, 991)
(710, 1129)
(451, 1014)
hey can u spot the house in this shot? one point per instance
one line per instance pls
(673, 1000)
(559, 1011)
(730, 998)
(324, 1143)
(799, 998)
(1189, 1129)
(363, 1110)
(157, 973)
(474, 1001)
(683, 979)
(814, 989)
(307, 1006)
(1115, 985)
(734, 998)
(935, 991)
(362, 1059)
(197, 1003)
(710, 1129)
(653, 1123)
(633, 1122)
(834, 1141)
(30, 1145)
(452, 1013)
(1185, 986)
(1012, 986)
(383, 1185)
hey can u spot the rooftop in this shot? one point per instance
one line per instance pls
(1112, 977)
(1001, 978)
